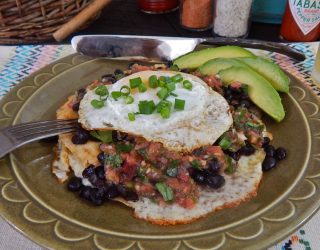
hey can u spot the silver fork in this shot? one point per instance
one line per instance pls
(15, 136)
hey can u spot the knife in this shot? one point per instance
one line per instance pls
(165, 48)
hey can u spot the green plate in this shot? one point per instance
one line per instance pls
(33, 202)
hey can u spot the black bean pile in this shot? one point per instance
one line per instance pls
(273, 156)
(101, 191)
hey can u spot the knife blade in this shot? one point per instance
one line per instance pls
(165, 48)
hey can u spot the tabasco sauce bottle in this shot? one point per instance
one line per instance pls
(301, 21)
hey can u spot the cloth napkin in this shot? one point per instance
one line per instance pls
(17, 62)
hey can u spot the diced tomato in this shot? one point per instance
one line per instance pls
(137, 68)
(145, 189)
(112, 175)
(235, 85)
(213, 81)
(183, 174)
(186, 203)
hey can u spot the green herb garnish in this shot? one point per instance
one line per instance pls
(196, 164)
(162, 93)
(131, 117)
(125, 90)
(104, 136)
(177, 78)
(259, 127)
(172, 169)
(179, 104)
(146, 107)
(135, 82)
(102, 90)
(142, 88)
(225, 142)
(171, 86)
(129, 99)
(114, 161)
(165, 191)
(231, 166)
(98, 104)
(164, 108)
(153, 81)
(116, 95)
(187, 84)
(124, 148)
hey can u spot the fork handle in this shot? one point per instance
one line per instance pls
(257, 44)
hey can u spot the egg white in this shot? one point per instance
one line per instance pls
(205, 116)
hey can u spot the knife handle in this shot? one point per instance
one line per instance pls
(257, 44)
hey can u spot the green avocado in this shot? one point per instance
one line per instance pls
(212, 67)
(269, 70)
(260, 90)
(195, 59)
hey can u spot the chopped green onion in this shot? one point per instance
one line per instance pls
(104, 136)
(131, 117)
(225, 143)
(146, 107)
(173, 94)
(135, 82)
(165, 112)
(142, 88)
(161, 83)
(129, 99)
(174, 68)
(196, 164)
(165, 79)
(97, 104)
(163, 104)
(116, 94)
(187, 84)
(165, 191)
(179, 104)
(171, 86)
(124, 148)
(102, 90)
(259, 127)
(153, 81)
(162, 93)
(231, 166)
(125, 90)
(177, 78)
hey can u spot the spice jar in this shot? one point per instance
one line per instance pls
(196, 15)
(231, 18)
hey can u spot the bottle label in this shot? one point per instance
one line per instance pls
(306, 13)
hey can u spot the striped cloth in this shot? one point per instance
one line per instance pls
(17, 62)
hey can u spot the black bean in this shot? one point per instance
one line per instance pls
(108, 78)
(244, 96)
(89, 171)
(80, 94)
(247, 150)
(85, 193)
(74, 184)
(81, 136)
(213, 165)
(199, 177)
(245, 104)
(118, 72)
(215, 181)
(185, 70)
(268, 163)
(269, 150)
(121, 190)
(280, 154)
(100, 172)
(96, 196)
(266, 141)
(234, 155)
(75, 106)
(101, 158)
(112, 192)
(198, 151)
(235, 91)
(169, 63)
(131, 196)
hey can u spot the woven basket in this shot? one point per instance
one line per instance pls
(32, 21)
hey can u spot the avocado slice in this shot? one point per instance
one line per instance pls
(269, 70)
(212, 67)
(260, 90)
(195, 59)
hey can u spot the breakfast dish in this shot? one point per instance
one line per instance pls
(173, 144)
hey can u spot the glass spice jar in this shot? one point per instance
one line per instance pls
(196, 15)
(158, 6)
(231, 18)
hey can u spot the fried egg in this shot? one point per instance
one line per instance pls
(205, 117)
